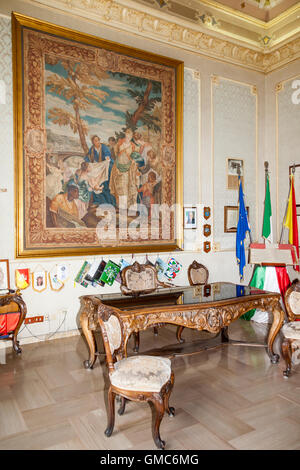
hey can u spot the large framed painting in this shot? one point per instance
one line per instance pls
(98, 144)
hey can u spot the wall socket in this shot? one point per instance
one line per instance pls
(37, 319)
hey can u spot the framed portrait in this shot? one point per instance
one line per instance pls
(98, 144)
(4, 274)
(39, 281)
(232, 172)
(231, 215)
(190, 217)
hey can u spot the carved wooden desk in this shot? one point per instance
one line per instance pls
(195, 307)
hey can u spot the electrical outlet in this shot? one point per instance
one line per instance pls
(37, 319)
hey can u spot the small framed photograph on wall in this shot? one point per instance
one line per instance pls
(232, 172)
(4, 274)
(190, 217)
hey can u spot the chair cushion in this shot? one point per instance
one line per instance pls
(292, 330)
(141, 373)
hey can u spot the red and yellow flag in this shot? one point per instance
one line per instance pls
(291, 219)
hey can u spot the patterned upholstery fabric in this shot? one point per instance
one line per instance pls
(198, 276)
(141, 373)
(139, 281)
(294, 301)
(292, 330)
(113, 331)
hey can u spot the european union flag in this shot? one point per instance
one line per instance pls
(240, 291)
(242, 229)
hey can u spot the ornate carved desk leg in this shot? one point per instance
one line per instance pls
(178, 334)
(125, 339)
(136, 346)
(286, 348)
(224, 335)
(278, 318)
(89, 336)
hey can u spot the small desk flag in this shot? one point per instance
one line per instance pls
(242, 229)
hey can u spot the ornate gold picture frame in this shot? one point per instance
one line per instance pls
(98, 144)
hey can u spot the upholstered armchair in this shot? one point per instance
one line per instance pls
(137, 378)
(291, 330)
(197, 276)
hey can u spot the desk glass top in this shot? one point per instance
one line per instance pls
(218, 291)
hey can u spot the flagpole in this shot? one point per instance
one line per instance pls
(266, 178)
(266, 173)
(238, 169)
(267, 214)
(287, 203)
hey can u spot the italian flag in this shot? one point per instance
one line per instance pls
(267, 222)
(269, 278)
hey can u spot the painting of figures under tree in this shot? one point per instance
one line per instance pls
(99, 165)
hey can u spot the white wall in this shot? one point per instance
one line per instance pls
(234, 131)
(282, 144)
(201, 181)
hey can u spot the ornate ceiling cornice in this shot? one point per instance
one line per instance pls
(260, 49)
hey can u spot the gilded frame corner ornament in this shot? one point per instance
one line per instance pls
(36, 48)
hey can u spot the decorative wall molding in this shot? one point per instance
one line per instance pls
(161, 25)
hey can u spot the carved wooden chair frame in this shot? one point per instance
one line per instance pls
(11, 298)
(287, 344)
(160, 399)
(294, 287)
(195, 265)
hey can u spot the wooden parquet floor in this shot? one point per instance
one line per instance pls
(226, 398)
